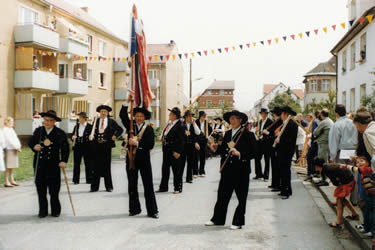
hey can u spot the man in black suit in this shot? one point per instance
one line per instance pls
(105, 134)
(285, 146)
(235, 173)
(192, 132)
(264, 146)
(206, 131)
(173, 147)
(51, 148)
(142, 143)
(80, 138)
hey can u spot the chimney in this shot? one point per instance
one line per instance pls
(171, 43)
(85, 9)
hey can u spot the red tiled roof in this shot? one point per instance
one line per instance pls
(298, 92)
(267, 88)
(160, 50)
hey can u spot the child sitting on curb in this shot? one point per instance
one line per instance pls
(366, 192)
(344, 181)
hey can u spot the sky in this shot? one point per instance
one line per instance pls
(197, 25)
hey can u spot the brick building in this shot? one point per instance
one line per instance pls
(218, 94)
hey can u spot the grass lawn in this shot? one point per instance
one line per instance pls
(25, 170)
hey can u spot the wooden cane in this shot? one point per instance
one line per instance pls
(67, 186)
(282, 130)
(131, 158)
(235, 144)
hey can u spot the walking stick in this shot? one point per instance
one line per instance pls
(282, 130)
(235, 144)
(67, 186)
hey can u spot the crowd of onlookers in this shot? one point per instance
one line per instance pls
(10, 146)
(344, 152)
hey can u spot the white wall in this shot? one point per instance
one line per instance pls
(361, 74)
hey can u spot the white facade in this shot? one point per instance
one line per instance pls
(357, 7)
(356, 81)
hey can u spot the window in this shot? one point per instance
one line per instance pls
(222, 92)
(209, 103)
(352, 56)
(89, 41)
(343, 98)
(89, 76)
(102, 48)
(363, 48)
(61, 70)
(27, 16)
(221, 103)
(326, 85)
(313, 86)
(152, 74)
(362, 91)
(352, 100)
(344, 61)
(80, 71)
(102, 80)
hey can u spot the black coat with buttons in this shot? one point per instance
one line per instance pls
(86, 133)
(246, 146)
(51, 155)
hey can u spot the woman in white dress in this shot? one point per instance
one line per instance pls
(13, 146)
(2, 147)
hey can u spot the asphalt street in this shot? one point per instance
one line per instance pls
(102, 220)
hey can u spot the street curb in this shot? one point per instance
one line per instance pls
(365, 243)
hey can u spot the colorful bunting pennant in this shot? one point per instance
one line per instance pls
(325, 29)
(369, 18)
(351, 22)
(343, 25)
(334, 27)
(292, 36)
(361, 19)
(307, 33)
(300, 35)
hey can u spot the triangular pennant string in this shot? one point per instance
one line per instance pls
(262, 42)
(269, 42)
(284, 37)
(156, 58)
(361, 19)
(277, 40)
(167, 57)
(174, 56)
(325, 29)
(226, 49)
(254, 44)
(300, 35)
(343, 25)
(180, 56)
(199, 53)
(351, 22)
(248, 45)
(241, 46)
(292, 36)
(161, 58)
(150, 58)
(205, 52)
(316, 31)
(186, 55)
(219, 50)
(370, 17)
(307, 33)
(334, 27)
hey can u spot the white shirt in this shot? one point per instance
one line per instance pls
(170, 126)
(81, 129)
(234, 131)
(263, 123)
(105, 123)
(196, 129)
(49, 130)
(220, 129)
(11, 139)
(139, 127)
(203, 129)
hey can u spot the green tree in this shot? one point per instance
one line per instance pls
(368, 101)
(328, 103)
(284, 99)
(224, 108)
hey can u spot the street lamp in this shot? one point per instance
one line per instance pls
(191, 82)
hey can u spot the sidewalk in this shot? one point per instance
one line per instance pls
(327, 194)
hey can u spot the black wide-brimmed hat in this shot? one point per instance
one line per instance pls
(143, 111)
(237, 113)
(83, 114)
(106, 107)
(218, 118)
(201, 113)
(51, 114)
(288, 110)
(176, 111)
(263, 110)
(276, 110)
(187, 113)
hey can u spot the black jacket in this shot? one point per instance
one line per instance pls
(174, 140)
(246, 146)
(112, 129)
(266, 138)
(52, 155)
(191, 137)
(202, 137)
(86, 133)
(287, 145)
(147, 141)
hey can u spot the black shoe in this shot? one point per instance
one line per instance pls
(189, 182)
(257, 178)
(270, 186)
(109, 190)
(75, 183)
(92, 191)
(162, 191)
(322, 183)
(275, 190)
(155, 216)
(284, 197)
(134, 213)
(42, 215)
(55, 215)
(265, 179)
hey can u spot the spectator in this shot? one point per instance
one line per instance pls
(344, 182)
(364, 170)
(342, 136)
(321, 134)
(301, 121)
(2, 148)
(313, 149)
(301, 137)
(13, 146)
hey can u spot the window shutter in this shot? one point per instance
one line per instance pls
(23, 106)
(81, 106)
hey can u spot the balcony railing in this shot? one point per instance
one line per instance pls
(36, 79)
(37, 34)
(74, 46)
(73, 86)
(27, 127)
(121, 67)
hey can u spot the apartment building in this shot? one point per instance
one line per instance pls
(166, 79)
(59, 58)
(355, 54)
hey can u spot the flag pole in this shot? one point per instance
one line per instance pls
(131, 160)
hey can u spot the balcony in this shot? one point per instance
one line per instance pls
(27, 127)
(74, 46)
(121, 94)
(73, 86)
(67, 125)
(36, 79)
(154, 83)
(37, 34)
(121, 67)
